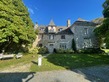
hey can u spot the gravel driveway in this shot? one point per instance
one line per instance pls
(90, 74)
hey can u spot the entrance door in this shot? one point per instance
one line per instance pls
(51, 47)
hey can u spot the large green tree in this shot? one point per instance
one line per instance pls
(103, 31)
(16, 27)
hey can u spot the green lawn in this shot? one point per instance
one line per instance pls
(70, 61)
(27, 58)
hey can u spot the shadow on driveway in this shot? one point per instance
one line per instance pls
(16, 77)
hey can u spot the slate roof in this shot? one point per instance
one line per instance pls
(66, 31)
(52, 23)
(84, 23)
(43, 29)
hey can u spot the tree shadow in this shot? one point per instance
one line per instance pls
(34, 62)
(77, 61)
(16, 77)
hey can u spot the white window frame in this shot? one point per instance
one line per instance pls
(51, 37)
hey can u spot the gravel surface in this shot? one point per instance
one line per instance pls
(89, 74)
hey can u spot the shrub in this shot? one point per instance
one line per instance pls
(60, 51)
(33, 51)
(42, 50)
(69, 51)
(91, 50)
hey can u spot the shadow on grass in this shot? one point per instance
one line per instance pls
(16, 77)
(72, 61)
(76, 62)
(34, 62)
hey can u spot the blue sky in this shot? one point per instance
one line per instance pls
(42, 11)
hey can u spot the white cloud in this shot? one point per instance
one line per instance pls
(31, 10)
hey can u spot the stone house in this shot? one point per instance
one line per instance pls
(56, 37)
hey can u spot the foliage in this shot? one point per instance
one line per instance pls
(103, 30)
(16, 27)
(42, 50)
(62, 51)
(91, 51)
(33, 51)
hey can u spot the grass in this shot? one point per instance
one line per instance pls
(70, 61)
(27, 58)
(46, 66)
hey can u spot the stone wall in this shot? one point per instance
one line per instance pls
(45, 41)
(80, 35)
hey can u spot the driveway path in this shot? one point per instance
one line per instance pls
(89, 74)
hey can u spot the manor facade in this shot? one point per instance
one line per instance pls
(56, 37)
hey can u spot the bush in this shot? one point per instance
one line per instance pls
(33, 51)
(91, 50)
(69, 51)
(61, 51)
(42, 50)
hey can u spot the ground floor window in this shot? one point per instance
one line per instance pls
(87, 43)
(63, 45)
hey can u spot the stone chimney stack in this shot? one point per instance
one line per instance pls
(68, 23)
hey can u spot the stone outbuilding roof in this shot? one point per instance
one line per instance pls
(84, 23)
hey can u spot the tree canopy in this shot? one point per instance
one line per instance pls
(103, 31)
(16, 27)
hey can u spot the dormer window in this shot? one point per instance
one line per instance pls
(60, 29)
(51, 29)
(42, 29)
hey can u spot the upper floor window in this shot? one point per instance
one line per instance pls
(51, 37)
(62, 36)
(86, 31)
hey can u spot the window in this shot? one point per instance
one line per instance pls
(51, 44)
(42, 36)
(87, 43)
(62, 36)
(63, 45)
(86, 31)
(52, 29)
(60, 29)
(51, 37)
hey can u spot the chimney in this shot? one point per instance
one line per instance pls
(68, 23)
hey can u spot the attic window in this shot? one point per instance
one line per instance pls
(42, 29)
(60, 29)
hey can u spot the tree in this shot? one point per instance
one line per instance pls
(103, 31)
(16, 27)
